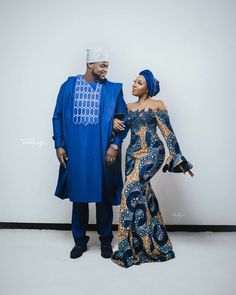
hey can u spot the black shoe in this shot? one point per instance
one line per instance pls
(106, 251)
(77, 251)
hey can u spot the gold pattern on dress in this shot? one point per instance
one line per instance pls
(164, 129)
(134, 176)
(127, 236)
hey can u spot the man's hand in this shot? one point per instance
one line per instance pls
(111, 154)
(118, 125)
(61, 156)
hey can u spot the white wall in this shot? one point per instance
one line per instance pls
(189, 45)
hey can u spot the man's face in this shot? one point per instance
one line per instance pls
(100, 69)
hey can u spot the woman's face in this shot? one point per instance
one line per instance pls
(140, 86)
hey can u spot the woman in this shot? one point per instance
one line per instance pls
(142, 236)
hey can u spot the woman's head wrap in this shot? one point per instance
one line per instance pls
(152, 82)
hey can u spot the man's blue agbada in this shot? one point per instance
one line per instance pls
(86, 177)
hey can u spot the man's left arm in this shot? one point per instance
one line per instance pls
(120, 104)
(113, 148)
(122, 109)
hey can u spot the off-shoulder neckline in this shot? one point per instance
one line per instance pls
(146, 110)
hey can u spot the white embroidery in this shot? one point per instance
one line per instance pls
(86, 102)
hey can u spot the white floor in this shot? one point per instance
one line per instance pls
(36, 262)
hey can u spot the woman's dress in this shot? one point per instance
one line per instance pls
(142, 236)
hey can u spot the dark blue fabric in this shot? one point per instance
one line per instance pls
(80, 218)
(72, 181)
(152, 83)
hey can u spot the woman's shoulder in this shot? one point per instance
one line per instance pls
(159, 105)
(131, 105)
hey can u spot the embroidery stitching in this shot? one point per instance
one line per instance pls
(86, 102)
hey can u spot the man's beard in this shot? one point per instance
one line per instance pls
(97, 77)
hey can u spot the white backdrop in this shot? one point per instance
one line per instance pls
(190, 45)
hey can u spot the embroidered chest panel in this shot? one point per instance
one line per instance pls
(86, 102)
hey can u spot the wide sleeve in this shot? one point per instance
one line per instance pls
(176, 162)
(121, 109)
(57, 121)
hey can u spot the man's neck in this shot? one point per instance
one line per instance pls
(89, 77)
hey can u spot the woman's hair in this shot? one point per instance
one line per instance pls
(152, 83)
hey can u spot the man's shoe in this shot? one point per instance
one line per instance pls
(77, 251)
(106, 251)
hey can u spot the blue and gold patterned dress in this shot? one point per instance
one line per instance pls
(142, 236)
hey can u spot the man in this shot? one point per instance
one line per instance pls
(90, 164)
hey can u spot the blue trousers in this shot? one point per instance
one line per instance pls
(80, 218)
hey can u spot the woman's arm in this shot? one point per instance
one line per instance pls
(176, 162)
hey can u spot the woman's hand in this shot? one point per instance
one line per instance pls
(118, 125)
(189, 171)
(61, 156)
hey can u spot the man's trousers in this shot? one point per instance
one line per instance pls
(80, 218)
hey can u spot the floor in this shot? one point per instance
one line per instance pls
(36, 262)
